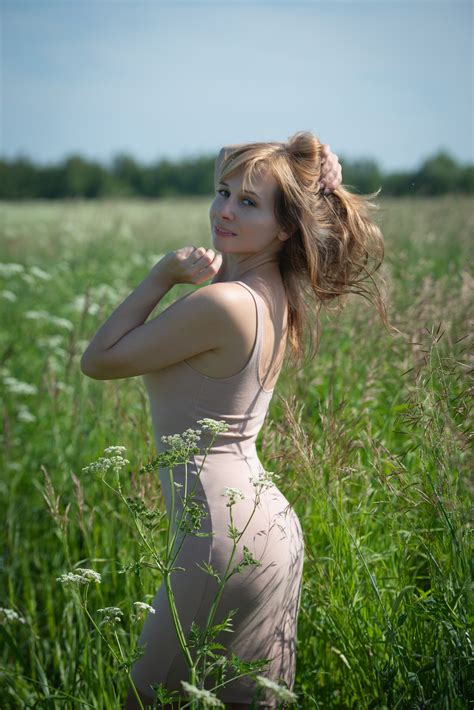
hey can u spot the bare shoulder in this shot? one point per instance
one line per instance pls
(228, 307)
(222, 300)
(228, 299)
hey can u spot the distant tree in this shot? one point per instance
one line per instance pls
(83, 178)
(398, 184)
(18, 179)
(363, 175)
(438, 175)
(128, 173)
(466, 178)
(51, 182)
(78, 177)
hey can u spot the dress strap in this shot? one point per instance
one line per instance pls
(259, 335)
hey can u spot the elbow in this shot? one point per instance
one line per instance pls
(88, 369)
(99, 368)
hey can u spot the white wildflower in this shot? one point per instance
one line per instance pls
(89, 574)
(80, 576)
(115, 450)
(24, 415)
(213, 425)
(279, 690)
(112, 615)
(37, 315)
(39, 273)
(28, 278)
(208, 699)
(17, 387)
(103, 292)
(11, 269)
(62, 322)
(103, 464)
(70, 578)
(8, 295)
(185, 440)
(10, 615)
(263, 479)
(191, 436)
(79, 304)
(118, 461)
(50, 318)
(142, 606)
(51, 342)
(174, 440)
(232, 495)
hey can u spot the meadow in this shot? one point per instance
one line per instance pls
(371, 440)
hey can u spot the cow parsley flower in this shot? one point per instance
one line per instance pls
(10, 615)
(11, 269)
(115, 450)
(213, 425)
(279, 690)
(178, 441)
(24, 414)
(80, 576)
(80, 304)
(8, 295)
(142, 606)
(39, 273)
(205, 697)
(112, 615)
(62, 322)
(17, 386)
(36, 315)
(232, 495)
(263, 479)
(103, 464)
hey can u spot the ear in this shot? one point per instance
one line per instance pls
(283, 236)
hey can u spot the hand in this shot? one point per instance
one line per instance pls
(331, 170)
(187, 265)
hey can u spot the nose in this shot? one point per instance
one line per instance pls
(226, 210)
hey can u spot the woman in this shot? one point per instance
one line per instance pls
(217, 353)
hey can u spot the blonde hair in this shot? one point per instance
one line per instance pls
(332, 238)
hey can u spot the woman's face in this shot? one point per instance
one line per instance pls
(247, 215)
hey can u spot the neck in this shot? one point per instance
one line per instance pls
(237, 266)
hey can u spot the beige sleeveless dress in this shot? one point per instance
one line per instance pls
(267, 597)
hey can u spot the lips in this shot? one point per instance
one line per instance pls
(225, 232)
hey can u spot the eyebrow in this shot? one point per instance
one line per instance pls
(248, 192)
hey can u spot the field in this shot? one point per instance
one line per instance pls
(372, 443)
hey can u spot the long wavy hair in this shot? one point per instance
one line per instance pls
(334, 247)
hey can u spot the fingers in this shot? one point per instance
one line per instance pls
(206, 262)
(202, 256)
(331, 170)
(332, 177)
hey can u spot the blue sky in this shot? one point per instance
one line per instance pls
(380, 79)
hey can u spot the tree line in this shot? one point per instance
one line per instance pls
(76, 176)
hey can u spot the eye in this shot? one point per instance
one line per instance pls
(245, 198)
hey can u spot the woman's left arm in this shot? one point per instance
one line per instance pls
(132, 312)
(126, 346)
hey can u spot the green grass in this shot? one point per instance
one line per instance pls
(371, 440)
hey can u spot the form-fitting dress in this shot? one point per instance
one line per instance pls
(268, 596)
